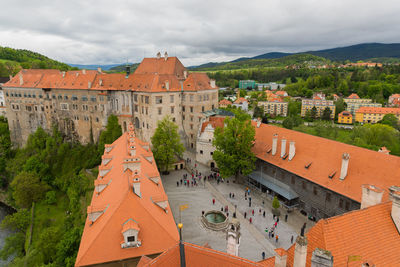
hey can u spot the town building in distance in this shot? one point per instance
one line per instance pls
(354, 102)
(79, 102)
(345, 117)
(320, 104)
(275, 105)
(375, 114)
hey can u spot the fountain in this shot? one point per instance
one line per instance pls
(215, 220)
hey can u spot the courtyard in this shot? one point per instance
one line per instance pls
(254, 239)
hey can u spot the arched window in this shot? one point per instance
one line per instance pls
(137, 123)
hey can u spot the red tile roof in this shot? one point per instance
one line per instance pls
(325, 155)
(225, 102)
(214, 122)
(198, 256)
(378, 110)
(101, 240)
(240, 100)
(369, 233)
(353, 96)
(152, 75)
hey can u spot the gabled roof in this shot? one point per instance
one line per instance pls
(240, 100)
(353, 96)
(369, 233)
(198, 256)
(214, 122)
(365, 166)
(101, 241)
(225, 102)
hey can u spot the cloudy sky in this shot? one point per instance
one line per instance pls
(103, 32)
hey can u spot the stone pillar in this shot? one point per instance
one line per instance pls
(371, 195)
(233, 237)
(274, 144)
(300, 252)
(321, 258)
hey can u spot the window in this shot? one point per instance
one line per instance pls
(142, 110)
(183, 117)
(65, 97)
(64, 106)
(201, 152)
(85, 107)
(147, 110)
(28, 108)
(191, 109)
(191, 118)
(147, 125)
(101, 98)
(183, 108)
(341, 203)
(172, 110)
(135, 98)
(183, 97)
(191, 98)
(202, 109)
(191, 126)
(158, 99)
(171, 98)
(97, 119)
(347, 205)
(60, 97)
(93, 98)
(146, 99)
(328, 197)
(53, 96)
(136, 108)
(211, 153)
(212, 107)
(159, 111)
(199, 119)
(315, 191)
(74, 97)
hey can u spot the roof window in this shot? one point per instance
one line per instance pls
(308, 165)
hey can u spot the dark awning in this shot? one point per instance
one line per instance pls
(277, 186)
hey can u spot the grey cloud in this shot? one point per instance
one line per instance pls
(197, 31)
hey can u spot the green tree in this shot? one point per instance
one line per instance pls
(294, 108)
(14, 245)
(291, 122)
(326, 114)
(313, 113)
(27, 188)
(340, 105)
(166, 143)
(47, 244)
(258, 112)
(18, 221)
(275, 206)
(391, 120)
(233, 144)
(112, 132)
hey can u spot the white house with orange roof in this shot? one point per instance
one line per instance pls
(394, 100)
(241, 103)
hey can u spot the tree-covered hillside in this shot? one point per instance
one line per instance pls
(12, 60)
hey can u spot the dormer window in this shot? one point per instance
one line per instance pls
(130, 232)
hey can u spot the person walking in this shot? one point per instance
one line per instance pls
(277, 220)
(250, 220)
(245, 215)
(286, 216)
(263, 255)
(275, 224)
(276, 239)
(233, 195)
(291, 240)
(177, 183)
(259, 212)
(252, 212)
(264, 214)
(213, 201)
(230, 195)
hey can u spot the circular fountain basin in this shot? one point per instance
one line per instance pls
(215, 220)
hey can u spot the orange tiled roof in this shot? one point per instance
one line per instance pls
(225, 102)
(353, 96)
(214, 121)
(101, 240)
(325, 157)
(378, 110)
(240, 100)
(395, 96)
(152, 75)
(369, 233)
(281, 93)
(345, 114)
(198, 256)
(317, 98)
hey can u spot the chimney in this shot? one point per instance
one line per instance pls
(185, 74)
(321, 258)
(100, 82)
(212, 83)
(158, 55)
(395, 198)
(165, 56)
(89, 85)
(136, 185)
(292, 150)
(258, 122)
(280, 257)
(63, 74)
(345, 165)
(10, 77)
(21, 79)
(83, 71)
(274, 144)
(99, 70)
(167, 85)
(128, 70)
(371, 195)
(283, 148)
(300, 250)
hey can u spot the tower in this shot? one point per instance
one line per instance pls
(233, 237)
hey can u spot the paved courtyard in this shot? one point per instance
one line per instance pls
(254, 240)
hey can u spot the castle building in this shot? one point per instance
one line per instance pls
(79, 102)
(129, 215)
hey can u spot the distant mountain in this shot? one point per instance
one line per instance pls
(95, 66)
(369, 51)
